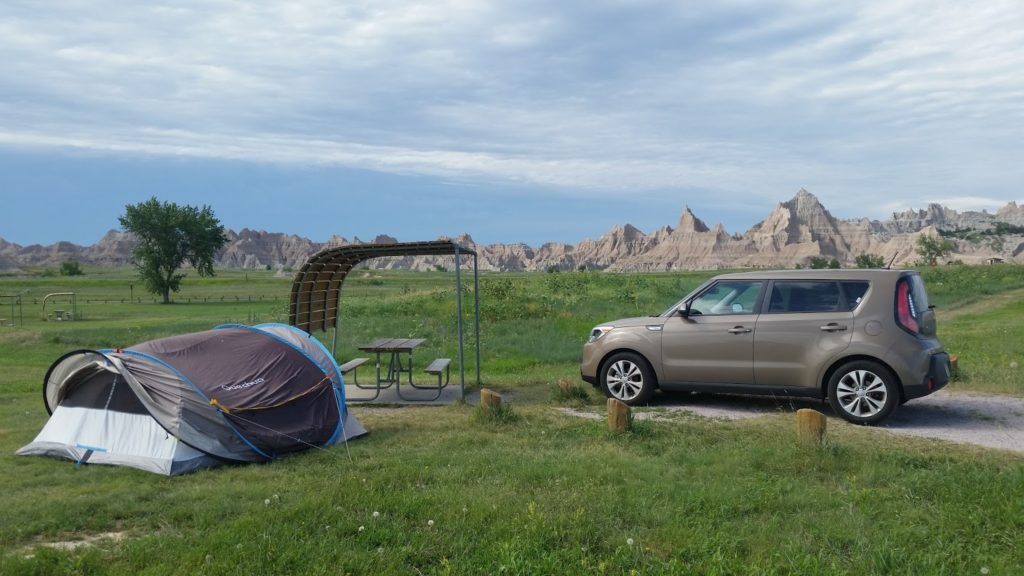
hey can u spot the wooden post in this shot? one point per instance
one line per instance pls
(489, 399)
(618, 415)
(810, 426)
(952, 363)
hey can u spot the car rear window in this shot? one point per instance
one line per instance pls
(787, 296)
(854, 293)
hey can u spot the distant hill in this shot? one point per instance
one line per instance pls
(790, 235)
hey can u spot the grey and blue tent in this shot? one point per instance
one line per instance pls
(231, 394)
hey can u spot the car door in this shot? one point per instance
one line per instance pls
(714, 342)
(803, 326)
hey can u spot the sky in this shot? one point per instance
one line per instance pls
(516, 121)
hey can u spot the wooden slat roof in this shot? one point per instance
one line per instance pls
(317, 285)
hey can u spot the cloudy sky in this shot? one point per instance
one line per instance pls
(513, 121)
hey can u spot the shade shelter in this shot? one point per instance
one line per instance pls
(316, 290)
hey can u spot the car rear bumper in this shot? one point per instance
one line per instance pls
(937, 377)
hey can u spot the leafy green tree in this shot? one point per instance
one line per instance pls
(169, 236)
(869, 260)
(71, 268)
(930, 249)
(817, 262)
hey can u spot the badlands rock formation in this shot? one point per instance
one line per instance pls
(793, 233)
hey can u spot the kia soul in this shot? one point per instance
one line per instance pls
(862, 339)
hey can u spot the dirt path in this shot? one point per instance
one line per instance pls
(989, 421)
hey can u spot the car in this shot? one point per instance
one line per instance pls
(864, 339)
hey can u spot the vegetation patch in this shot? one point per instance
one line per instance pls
(450, 490)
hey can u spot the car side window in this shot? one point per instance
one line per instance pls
(790, 297)
(728, 297)
(854, 292)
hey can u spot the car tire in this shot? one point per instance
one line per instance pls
(863, 392)
(627, 376)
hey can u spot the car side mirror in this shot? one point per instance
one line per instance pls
(684, 310)
(928, 327)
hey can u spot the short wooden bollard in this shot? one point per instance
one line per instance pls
(489, 399)
(618, 415)
(952, 363)
(810, 426)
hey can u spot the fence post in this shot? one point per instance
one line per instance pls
(489, 399)
(618, 415)
(810, 426)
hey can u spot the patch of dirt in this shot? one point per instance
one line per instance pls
(982, 420)
(84, 541)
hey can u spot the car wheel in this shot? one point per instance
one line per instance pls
(627, 376)
(863, 392)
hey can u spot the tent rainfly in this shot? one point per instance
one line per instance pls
(170, 406)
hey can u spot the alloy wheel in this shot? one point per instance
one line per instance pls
(625, 380)
(862, 393)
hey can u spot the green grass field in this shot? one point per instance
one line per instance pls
(446, 491)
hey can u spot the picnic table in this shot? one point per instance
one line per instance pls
(393, 348)
(394, 358)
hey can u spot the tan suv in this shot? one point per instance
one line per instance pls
(864, 339)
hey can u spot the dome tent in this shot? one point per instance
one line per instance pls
(234, 393)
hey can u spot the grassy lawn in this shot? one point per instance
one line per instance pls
(447, 491)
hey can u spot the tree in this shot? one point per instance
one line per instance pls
(869, 260)
(70, 268)
(168, 236)
(931, 248)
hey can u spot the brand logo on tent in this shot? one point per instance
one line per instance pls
(243, 385)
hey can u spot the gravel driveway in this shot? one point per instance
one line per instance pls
(990, 421)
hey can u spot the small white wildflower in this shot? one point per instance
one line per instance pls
(266, 502)
(984, 569)
(276, 497)
(209, 558)
(464, 509)
(380, 550)
(629, 541)
(376, 514)
(430, 522)
(361, 528)
(1013, 364)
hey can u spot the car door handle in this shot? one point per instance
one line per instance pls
(833, 327)
(738, 330)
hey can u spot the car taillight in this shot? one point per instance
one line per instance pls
(904, 315)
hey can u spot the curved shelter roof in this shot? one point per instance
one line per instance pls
(317, 286)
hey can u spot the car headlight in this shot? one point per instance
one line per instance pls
(597, 332)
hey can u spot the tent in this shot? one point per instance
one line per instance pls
(232, 394)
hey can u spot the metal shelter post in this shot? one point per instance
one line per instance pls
(458, 312)
(476, 314)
